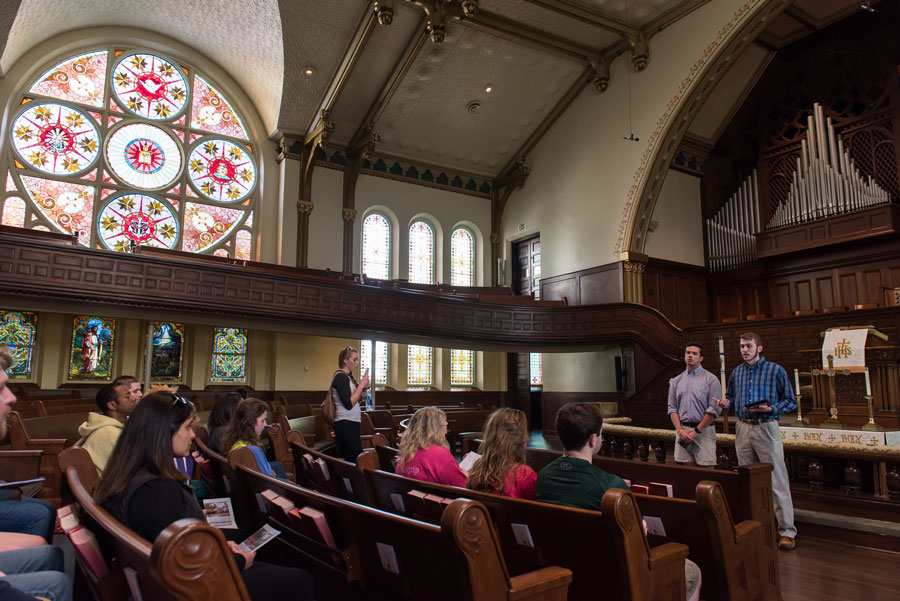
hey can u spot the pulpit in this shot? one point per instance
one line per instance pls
(850, 390)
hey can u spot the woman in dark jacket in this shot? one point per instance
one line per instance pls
(144, 490)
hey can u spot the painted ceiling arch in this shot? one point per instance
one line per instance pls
(244, 38)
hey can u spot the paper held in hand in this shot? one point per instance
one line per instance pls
(220, 513)
(468, 460)
(259, 538)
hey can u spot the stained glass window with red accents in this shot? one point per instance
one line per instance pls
(419, 365)
(462, 258)
(421, 253)
(376, 247)
(126, 148)
(536, 369)
(381, 360)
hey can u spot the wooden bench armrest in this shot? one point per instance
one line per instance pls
(20, 465)
(667, 572)
(548, 583)
(746, 529)
(48, 444)
(667, 553)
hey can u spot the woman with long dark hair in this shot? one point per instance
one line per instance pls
(501, 468)
(247, 423)
(142, 488)
(219, 418)
(347, 396)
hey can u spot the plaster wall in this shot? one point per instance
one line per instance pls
(679, 231)
(591, 371)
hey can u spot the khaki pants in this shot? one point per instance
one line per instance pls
(762, 444)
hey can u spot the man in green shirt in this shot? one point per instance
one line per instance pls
(572, 479)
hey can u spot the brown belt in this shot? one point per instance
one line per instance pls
(756, 422)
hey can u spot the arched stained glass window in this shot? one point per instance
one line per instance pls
(421, 253)
(18, 332)
(126, 147)
(419, 365)
(376, 247)
(536, 369)
(168, 348)
(462, 367)
(381, 360)
(229, 356)
(462, 258)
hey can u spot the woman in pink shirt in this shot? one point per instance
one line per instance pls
(424, 452)
(501, 468)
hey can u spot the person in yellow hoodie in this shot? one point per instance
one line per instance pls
(102, 429)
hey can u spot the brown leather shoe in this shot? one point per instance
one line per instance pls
(787, 543)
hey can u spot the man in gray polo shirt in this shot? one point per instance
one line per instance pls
(693, 410)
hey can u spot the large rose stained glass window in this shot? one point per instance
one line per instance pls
(125, 148)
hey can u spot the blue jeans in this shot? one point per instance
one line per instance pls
(37, 571)
(28, 516)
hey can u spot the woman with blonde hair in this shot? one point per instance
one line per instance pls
(424, 452)
(501, 468)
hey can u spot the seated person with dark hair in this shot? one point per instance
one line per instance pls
(102, 429)
(573, 479)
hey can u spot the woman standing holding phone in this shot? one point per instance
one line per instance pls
(347, 396)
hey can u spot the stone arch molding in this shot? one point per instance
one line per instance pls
(732, 39)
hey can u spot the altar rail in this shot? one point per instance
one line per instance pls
(849, 479)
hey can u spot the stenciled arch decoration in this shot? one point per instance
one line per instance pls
(747, 23)
(126, 147)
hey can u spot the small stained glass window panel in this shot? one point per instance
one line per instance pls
(14, 212)
(18, 332)
(211, 112)
(376, 249)
(222, 170)
(149, 86)
(66, 205)
(243, 245)
(78, 79)
(55, 138)
(421, 253)
(536, 369)
(144, 156)
(381, 360)
(139, 219)
(419, 365)
(462, 258)
(229, 361)
(462, 367)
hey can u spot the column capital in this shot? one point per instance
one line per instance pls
(290, 147)
(348, 214)
(304, 207)
(495, 238)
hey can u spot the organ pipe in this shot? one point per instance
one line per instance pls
(731, 232)
(826, 181)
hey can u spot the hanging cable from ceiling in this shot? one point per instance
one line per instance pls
(631, 137)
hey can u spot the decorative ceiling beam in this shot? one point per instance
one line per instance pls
(390, 87)
(803, 18)
(491, 23)
(586, 16)
(345, 68)
(675, 13)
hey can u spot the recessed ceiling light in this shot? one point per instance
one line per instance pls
(489, 88)
(308, 71)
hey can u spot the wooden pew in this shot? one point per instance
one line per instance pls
(463, 560)
(279, 445)
(311, 427)
(223, 481)
(48, 434)
(345, 480)
(189, 560)
(748, 492)
(387, 457)
(581, 540)
(80, 460)
(20, 465)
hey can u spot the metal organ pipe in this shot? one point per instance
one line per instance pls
(731, 232)
(826, 181)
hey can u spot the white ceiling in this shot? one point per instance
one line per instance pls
(244, 38)
(534, 54)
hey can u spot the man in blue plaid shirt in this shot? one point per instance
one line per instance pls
(757, 436)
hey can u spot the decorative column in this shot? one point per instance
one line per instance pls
(633, 265)
(349, 216)
(304, 208)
